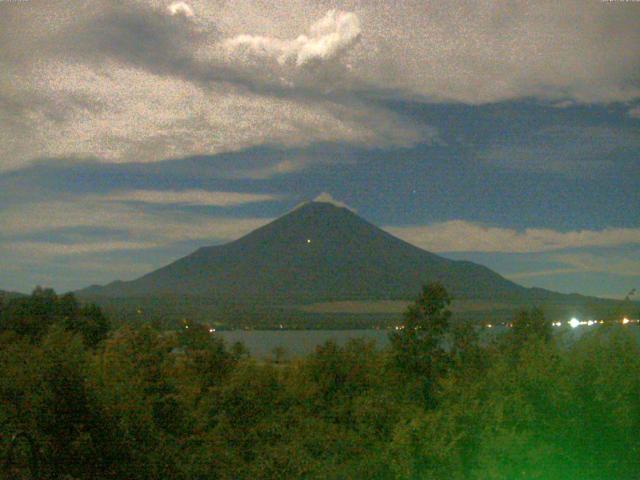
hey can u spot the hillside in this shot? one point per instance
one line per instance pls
(318, 252)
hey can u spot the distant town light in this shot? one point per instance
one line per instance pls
(574, 322)
(308, 240)
(625, 320)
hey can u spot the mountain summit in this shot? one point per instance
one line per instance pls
(317, 252)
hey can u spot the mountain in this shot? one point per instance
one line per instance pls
(318, 252)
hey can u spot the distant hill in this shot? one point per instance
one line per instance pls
(5, 295)
(318, 253)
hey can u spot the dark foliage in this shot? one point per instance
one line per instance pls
(80, 402)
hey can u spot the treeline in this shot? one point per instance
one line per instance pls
(80, 401)
(168, 312)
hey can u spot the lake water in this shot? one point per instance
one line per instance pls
(261, 343)
(296, 343)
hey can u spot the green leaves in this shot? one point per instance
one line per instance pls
(438, 404)
(418, 343)
(33, 316)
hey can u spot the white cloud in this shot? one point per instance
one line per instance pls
(615, 264)
(473, 52)
(145, 80)
(60, 236)
(328, 198)
(143, 117)
(181, 8)
(462, 236)
(282, 167)
(70, 272)
(51, 249)
(324, 197)
(328, 37)
(139, 223)
(588, 262)
(190, 197)
(541, 273)
(580, 151)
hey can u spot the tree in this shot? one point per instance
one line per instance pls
(417, 345)
(30, 316)
(92, 324)
(239, 351)
(529, 324)
(67, 306)
(278, 354)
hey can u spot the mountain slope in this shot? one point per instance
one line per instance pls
(317, 252)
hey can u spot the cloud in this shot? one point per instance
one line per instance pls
(180, 8)
(327, 198)
(588, 262)
(582, 151)
(541, 273)
(51, 249)
(281, 167)
(69, 272)
(139, 224)
(324, 197)
(190, 197)
(470, 52)
(129, 82)
(462, 236)
(145, 118)
(144, 80)
(328, 37)
(74, 235)
(580, 263)
(612, 263)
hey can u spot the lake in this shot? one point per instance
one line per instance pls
(296, 343)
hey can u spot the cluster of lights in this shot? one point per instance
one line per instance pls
(627, 321)
(186, 326)
(573, 323)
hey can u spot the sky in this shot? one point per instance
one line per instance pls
(504, 132)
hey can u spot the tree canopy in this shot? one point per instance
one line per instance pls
(89, 402)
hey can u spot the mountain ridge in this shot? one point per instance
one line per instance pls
(316, 252)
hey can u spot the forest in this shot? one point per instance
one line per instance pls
(80, 399)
